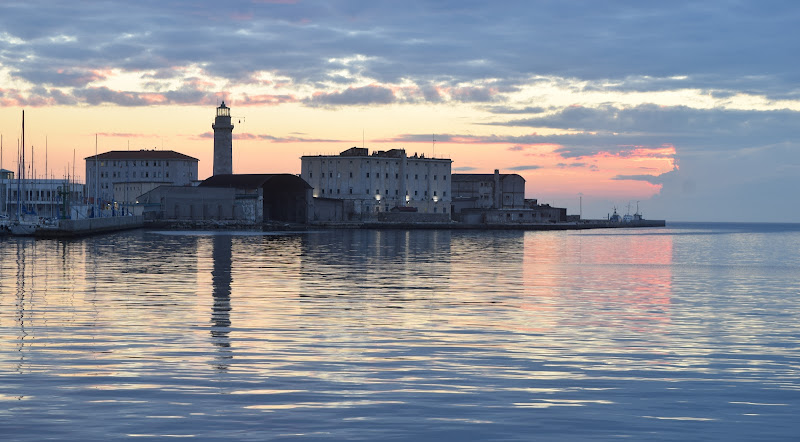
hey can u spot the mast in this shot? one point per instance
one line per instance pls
(96, 178)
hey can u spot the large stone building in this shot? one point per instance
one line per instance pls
(380, 182)
(484, 198)
(488, 191)
(146, 169)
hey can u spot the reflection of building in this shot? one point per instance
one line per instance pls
(381, 181)
(145, 168)
(221, 256)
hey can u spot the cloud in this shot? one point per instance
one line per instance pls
(464, 169)
(652, 179)
(354, 95)
(520, 168)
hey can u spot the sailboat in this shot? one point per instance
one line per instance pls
(24, 224)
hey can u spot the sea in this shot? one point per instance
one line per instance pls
(688, 332)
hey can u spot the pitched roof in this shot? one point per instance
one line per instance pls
(141, 155)
(253, 181)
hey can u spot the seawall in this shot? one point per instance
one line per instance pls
(68, 228)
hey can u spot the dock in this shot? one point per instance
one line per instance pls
(71, 228)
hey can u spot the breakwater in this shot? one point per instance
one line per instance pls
(68, 228)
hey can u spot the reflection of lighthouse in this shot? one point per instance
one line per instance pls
(221, 292)
(223, 141)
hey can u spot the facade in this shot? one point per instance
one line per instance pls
(381, 181)
(278, 197)
(488, 191)
(223, 141)
(40, 197)
(105, 170)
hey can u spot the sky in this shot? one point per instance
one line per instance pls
(690, 110)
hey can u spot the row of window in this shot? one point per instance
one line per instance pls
(34, 195)
(378, 162)
(378, 192)
(435, 209)
(377, 175)
(155, 163)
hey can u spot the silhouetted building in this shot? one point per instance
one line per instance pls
(223, 141)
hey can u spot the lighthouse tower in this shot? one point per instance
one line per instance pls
(223, 141)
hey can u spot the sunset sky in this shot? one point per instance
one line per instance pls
(690, 108)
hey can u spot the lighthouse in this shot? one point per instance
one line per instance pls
(223, 141)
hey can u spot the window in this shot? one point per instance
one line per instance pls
(444, 177)
(377, 192)
(330, 174)
(396, 192)
(444, 193)
(434, 177)
(323, 191)
(416, 193)
(397, 175)
(416, 177)
(351, 191)
(147, 174)
(367, 174)
(338, 191)
(387, 191)
(167, 163)
(434, 193)
(311, 174)
(387, 175)
(351, 174)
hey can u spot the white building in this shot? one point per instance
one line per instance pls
(381, 181)
(38, 196)
(157, 167)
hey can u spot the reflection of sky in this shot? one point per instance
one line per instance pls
(368, 334)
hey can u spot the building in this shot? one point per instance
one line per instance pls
(380, 182)
(223, 141)
(39, 197)
(498, 199)
(250, 199)
(488, 191)
(145, 168)
(263, 198)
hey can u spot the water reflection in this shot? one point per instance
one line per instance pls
(425, 334)
(221, 292)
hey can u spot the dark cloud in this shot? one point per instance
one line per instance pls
(618, 130)
(520, 168)
(514, 110)
(464, 169)
(652, 179)
(653, 46)
(354, 95)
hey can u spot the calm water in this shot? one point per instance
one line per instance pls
(690, 332)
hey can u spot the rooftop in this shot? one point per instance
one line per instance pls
(141, 155)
